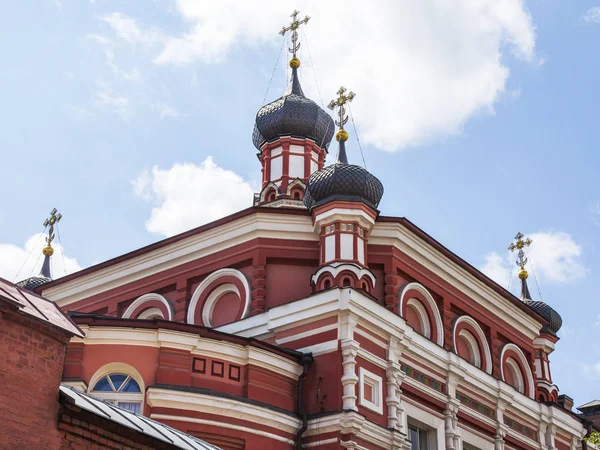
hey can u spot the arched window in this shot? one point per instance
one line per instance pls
(470, 343)
(118, 388)
(417, 317)
(467, 347)
(513, 375)
(515, 370)
(419, 309)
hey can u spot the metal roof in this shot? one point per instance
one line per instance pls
(135, 421)
(33, 305)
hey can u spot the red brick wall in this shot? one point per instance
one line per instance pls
(81, 430)
(31, 364)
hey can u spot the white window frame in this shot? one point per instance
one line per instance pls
(376, 383)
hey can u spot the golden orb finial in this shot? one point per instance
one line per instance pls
(341, 135)
(48, 251)
(294, 63)
(523, 274)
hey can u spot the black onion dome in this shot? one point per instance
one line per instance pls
(293, 115)
(343, 181)
(548, 313)
(33, 282)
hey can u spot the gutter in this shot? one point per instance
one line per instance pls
(306, 360)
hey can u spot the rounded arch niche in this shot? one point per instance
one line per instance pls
(222, 297)
(471, 344)
(149, 306)
(515, 370)
(418, 308)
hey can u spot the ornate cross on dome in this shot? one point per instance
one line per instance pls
(294, 62)
(519, 245)
(50, 222)
(339, 102)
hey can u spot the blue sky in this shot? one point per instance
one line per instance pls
(480, 120)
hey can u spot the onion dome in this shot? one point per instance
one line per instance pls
(293, 115)
(548, 313)
(45, 275)
(33, 282)
(542, 309)
(342, 181)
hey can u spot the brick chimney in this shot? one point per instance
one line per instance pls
(566, 402)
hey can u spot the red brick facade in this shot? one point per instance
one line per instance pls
(32, 355)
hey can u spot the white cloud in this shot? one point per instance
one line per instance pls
(554, 256)
(165, 110)
(421, 69)
(592, 15)
(497, 268)
(127, 29)
(15, 264)
(69, 75)
(188, 195)
(119, 104)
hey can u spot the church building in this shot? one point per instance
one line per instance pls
(311, 320)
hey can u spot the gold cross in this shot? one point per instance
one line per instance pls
(49, 223)
(519, 245)
(293, 27)
(339, 102)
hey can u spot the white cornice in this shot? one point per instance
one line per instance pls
(386, 233)
(193, 343)
(276, 226)
(373, 316)
(221, 406)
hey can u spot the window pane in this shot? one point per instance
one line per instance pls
(423, 440)
(413, 435)
(131, 386)
(103, 385)
(117, 379)
(130, 406)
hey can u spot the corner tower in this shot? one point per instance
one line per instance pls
(343, 200)
(545, 390)
(292, 135)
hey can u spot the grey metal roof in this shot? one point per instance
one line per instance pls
(342, 181)
(35, 306)
(293, 115)
(135, 421)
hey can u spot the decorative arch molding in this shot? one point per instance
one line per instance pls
(270, 187)
(511, 351)
(336, 268)
(116, 367)
(216, 291)
(431, 304)
(469, 324)
(152, 301)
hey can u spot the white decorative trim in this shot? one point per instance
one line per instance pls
(524, 364)
(321, 349)
(422, 315)
(335, 268)
(146, 298)
(486, 348)
(79, 385)
(176, 254)
(209, 280)
(221, 424)
(152, 313)
(213, 298)
(431, 302)
(221, 406)
(420, 251)
(376, 383)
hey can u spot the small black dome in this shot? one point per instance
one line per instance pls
(293, 115)
(548, 313)
(343, 181)
(32, 282)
